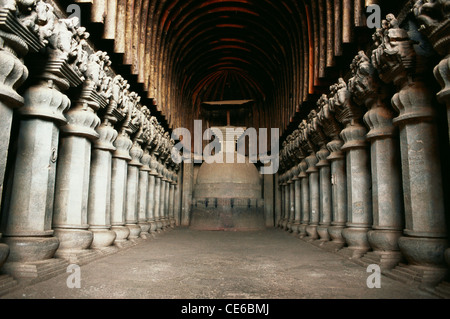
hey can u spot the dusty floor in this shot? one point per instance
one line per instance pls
(185, 264)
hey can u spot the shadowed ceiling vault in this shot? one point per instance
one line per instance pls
(275, 52)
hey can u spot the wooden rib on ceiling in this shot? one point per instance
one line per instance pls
(279, 50)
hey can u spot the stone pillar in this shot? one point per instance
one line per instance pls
(305, 198)
(162, 199)
(151, 200)
(178, 194)
(99, 203)
(70, 217)
(332, 129)
(318, 137)
(435, 25)
(314, 197)
(28, 219)
(143, 200)
(325, 194)
(167, 199)
(131, 206)
(282, 200)
(101, 182)
(118, 187)
(278, 201)
(425, 226)
(291, 185)
(359, 195)
(298, 201)
(157, 197)
(385, 160)
(15, 43)
(339, 193)
(287, 203)
(188, 187)
(172, 200)
(70, 222)
(269, 200)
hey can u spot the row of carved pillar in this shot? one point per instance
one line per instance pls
(362, 174)
(90, 167)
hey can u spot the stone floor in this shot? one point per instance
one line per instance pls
(186, 264)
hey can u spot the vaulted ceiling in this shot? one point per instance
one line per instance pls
(276, 52)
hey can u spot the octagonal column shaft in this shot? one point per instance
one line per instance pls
(425, 223)
(359, 218)
(157, 197)
(143, 202)
(119, 187)
(339, 193)
(287, 205)
(172, 205)
(291, 185)
(305, 198)
(151, 202)
(167, 198)
(386, 186)
(162, 203)
(27, 222)
(72, 183)
(131, 206)
(314, 197)
(13, 73)
(325, 195)
(99, 202)
(281, 220)
(298, 206)
(359, 192)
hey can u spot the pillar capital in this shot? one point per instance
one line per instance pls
(433, 17)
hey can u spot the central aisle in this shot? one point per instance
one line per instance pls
(190, 264)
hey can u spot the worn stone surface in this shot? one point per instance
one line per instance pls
(238, 265)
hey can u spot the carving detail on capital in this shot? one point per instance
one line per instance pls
(303, 166)
(106, 137)
(326, 119)
(341, 104)
(123, 146)
(442, 75)
(413, 102)
(434, 17)
(379, 120)
(394, 56)
(44, 100)
(312, 161)
(335, 148)
(365, 85)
